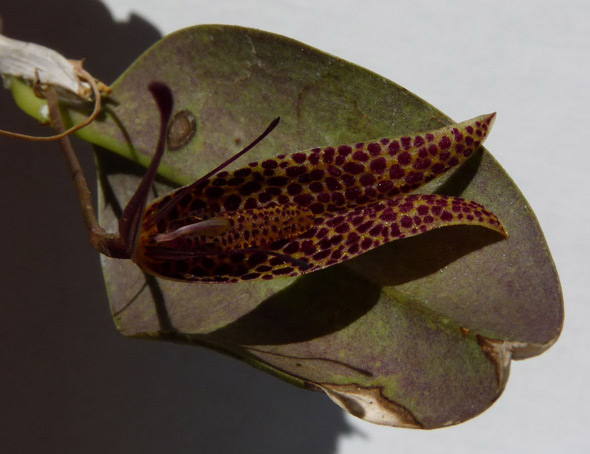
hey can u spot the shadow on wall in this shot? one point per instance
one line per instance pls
(69, 382)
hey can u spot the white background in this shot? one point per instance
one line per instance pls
(527, 60)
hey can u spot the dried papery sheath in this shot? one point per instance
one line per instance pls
(36, 63)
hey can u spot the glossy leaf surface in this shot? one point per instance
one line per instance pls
(418, 332)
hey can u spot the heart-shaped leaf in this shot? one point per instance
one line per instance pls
(418, 332)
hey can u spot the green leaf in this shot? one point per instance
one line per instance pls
(418, 332)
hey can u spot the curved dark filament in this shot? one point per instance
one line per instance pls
(130, 221)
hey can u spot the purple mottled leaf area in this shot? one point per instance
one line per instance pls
(417, 332)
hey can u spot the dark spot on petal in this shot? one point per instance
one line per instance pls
(406, 222)
(378, 165)
(198, 204)
(317, 208)
(422, 163)
(299, 158)
(354, 168)
(353, 238)
(307, 247)
(338, 198)
(444, 143)
(291, 248)
(242, 173)
(366, 243)
(348, 180)
(273, 191)
(277, 181)
(303, 199)
(374, 149)
(385, 186)
(282, 271)
(304, 179)
(423, 210)
(352, 193)
(365, 226)
(250, 188)
(232, 203)
(185, 200)
(323, 197)
(438, 167)
(235, 181)
(344, 150)
(396, 172)
(250, 203)
(368, 180)
(406, 206)
(334, 171)
(316, 174)
(414, 177)
(321, 255)
(376, 231)
(316, 187)
(370, 193)
(394, 147)
(224, 269)
(406, 142)
(333, 184)
(446, 216)
(342, 228)
(295, 171)
(269, 164)
(360, 156)
(404, 158)
(214, 192)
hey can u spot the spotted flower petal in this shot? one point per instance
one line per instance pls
(310, 210)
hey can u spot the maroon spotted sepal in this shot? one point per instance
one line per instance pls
(309, 210)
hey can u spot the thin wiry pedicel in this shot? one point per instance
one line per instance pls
(303, 212)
